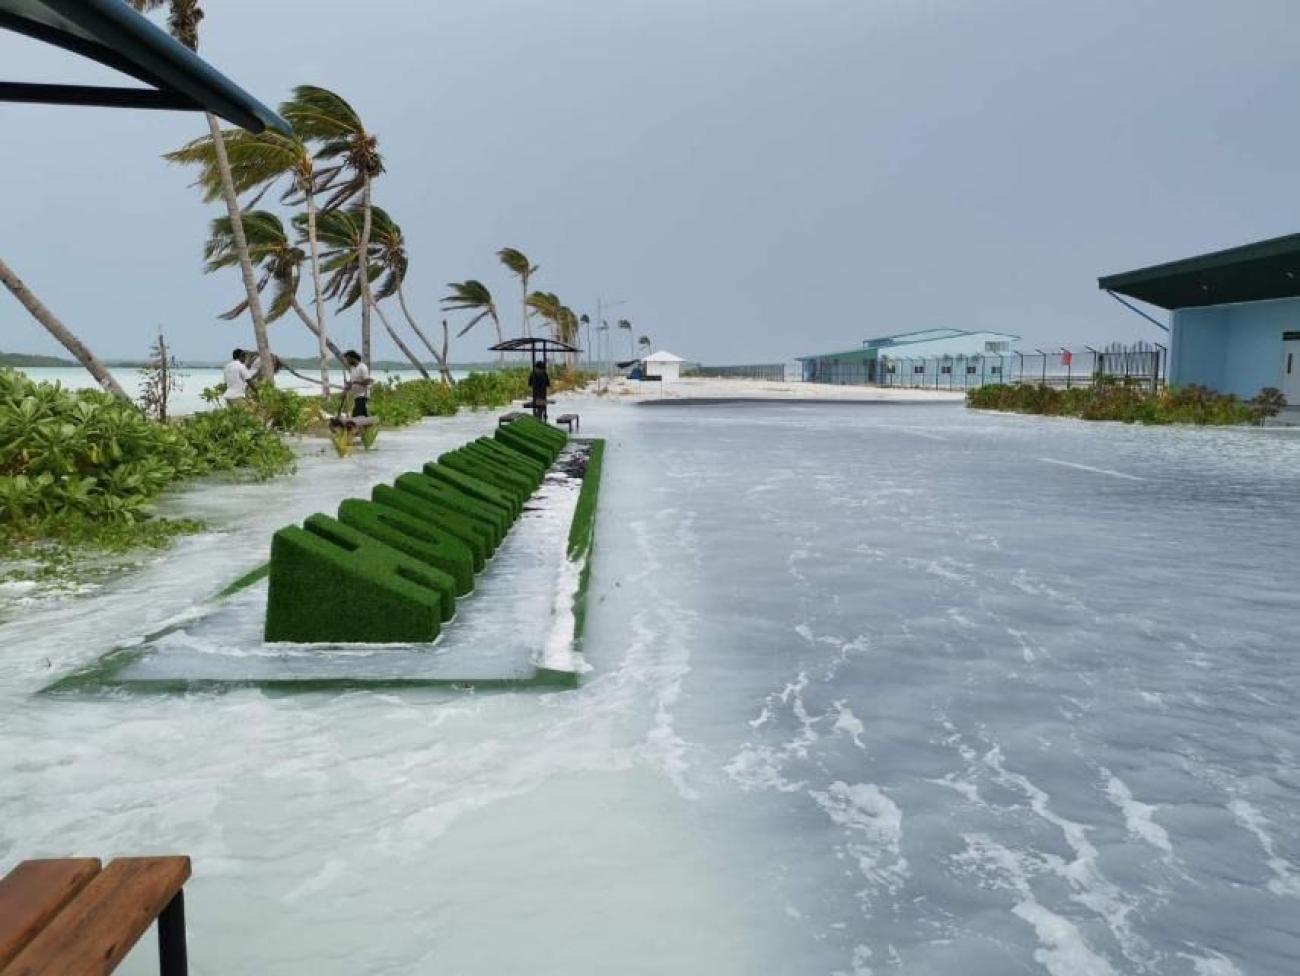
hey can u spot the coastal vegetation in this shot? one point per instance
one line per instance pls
(80, 469)
(1110, 399)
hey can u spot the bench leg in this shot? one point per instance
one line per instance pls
(172, 959)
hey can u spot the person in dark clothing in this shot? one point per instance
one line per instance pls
(539, 382)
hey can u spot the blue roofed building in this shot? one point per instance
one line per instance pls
(867, 363)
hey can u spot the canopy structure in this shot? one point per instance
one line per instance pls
(534, 345)
(110, 32)
(1252, 273)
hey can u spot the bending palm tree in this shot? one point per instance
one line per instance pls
(625, 324)
(280, 263)
(183, 22)
(523, 269)
(320, 116)
(61, 332)
(255, 162)
(388, 250)
(349, 279)
(472, 296)
(546, 305)
(643, 344)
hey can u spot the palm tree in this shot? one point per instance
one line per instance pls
(388, 251)
(61, 332)
(320, 116)
(523, 269)
(349, 278)
(183, 21)
(280, 263)
(643, 344)
(472, 296)
(545, 305)
(256, 162)
(625, 324)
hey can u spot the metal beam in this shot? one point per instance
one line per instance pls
(152, 98)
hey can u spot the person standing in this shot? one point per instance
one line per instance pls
(539, 382)
(359, 383)
(237, 375)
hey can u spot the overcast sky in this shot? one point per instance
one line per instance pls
(757, 179)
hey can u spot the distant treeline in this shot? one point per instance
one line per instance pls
(21, 359)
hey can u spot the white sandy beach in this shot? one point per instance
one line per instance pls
(717, 388)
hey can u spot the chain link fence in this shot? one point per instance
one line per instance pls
(1142, 363)
(753, 371)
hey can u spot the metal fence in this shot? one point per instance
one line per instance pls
(753, 371)
(1143, 363)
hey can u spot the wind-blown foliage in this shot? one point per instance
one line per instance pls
(83, 454)
(278, 261)
(473, 296)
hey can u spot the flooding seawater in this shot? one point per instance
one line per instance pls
(876, 689)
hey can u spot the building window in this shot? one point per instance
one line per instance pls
(892, 369)
(919, 369)
(995, 370)
(970, 370)
(947, 370)
(997, 347)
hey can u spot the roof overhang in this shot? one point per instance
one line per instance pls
(110, 32)
(1257, 272)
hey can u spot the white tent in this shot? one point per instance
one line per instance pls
(662, 364)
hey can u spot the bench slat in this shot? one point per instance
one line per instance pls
(33, 893)
(94, 933)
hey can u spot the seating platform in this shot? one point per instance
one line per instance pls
(570, 420)
(509, 418)
(73, 916)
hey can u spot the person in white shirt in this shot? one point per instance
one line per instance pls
(358, 384)
(237, 376)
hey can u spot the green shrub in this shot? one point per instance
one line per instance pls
(493, 389)
(1110, 399)
(68, 455)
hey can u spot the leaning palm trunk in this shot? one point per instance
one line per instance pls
(266, 363)
(61, 332)
(320, 305)
(439, 357)
(406, 351)
(330, 344)
(363, 267)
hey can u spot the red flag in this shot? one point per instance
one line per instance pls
(1066, 357)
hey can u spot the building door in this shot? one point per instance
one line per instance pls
(1291, 367)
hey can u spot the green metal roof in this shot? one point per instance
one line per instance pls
(110, 32)
(1251, 273)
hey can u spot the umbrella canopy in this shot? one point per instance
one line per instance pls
(534, 345)
(110, 32)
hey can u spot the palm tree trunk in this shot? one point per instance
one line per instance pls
(363, 268)
(330, 344)
(265, 361)
(315, 282)
(401, 345)
(439, 358)
(526, 332)
(61, 332)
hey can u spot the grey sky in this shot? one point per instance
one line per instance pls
(759, 178)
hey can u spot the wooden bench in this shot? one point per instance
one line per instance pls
(570, 420)
(510, 418)
(67, 917)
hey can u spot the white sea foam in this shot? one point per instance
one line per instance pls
(1062, 949)
(1284, 880)
(1090, 887)
(1137, 816)
(874, 824)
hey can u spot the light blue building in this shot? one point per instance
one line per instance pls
(863, 364)
(1235, 324)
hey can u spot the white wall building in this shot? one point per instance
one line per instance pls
(664, 365)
